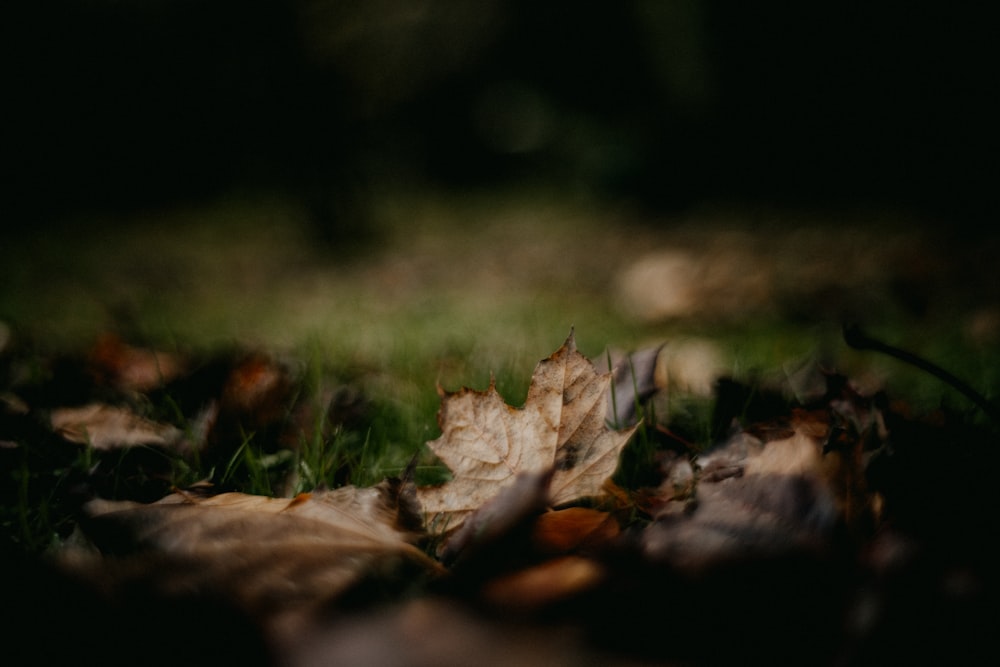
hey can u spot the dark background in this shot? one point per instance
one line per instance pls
(119, 106)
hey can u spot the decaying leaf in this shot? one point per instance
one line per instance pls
(487, 443)
(498, 518)
(752, 499)
(107, 426)
(275, 558)
(181, 522)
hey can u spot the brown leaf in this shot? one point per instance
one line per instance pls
(565, 530)
(487, 443)
(107, 426)
(274, 558)
(132, 368)
(189, 523)
(543, 584)
(752, 499)
(257, 385)
(500, 516)
(438, 632)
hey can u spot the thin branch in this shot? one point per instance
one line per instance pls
(859, 340)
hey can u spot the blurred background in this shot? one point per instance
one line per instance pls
(446, 180)
(116, 105)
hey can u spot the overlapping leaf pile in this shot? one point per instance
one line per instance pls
(833, 529)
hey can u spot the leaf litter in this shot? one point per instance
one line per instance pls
(832, 528)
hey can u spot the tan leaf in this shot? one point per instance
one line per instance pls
(107, 426)
(189, 523)
(487, 443)
(274, 558)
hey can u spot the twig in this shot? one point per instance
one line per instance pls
(859, 340)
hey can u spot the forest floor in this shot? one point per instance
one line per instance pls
(443, 291)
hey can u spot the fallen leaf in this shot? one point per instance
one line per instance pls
(487, 443)
(543, 584)
(435, 632)
(257, 385)
(131, 368)
(105, 426)
(565, 530)
(279, 560)
(254, 398)
(498, 518)
(752, 499)
(189, 523)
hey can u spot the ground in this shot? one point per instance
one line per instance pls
(447, 289)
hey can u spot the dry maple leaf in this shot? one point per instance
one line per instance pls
(486, 443)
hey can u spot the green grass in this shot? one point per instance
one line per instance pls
(455, 291)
